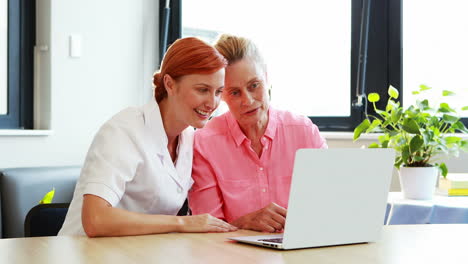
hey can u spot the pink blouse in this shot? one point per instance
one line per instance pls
(231, 180)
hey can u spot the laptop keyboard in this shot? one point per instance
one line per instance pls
(274, 240)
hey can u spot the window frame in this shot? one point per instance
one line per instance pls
(377, 75)
(20, 65)
(175, 25)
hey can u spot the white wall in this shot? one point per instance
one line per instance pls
(119, 55)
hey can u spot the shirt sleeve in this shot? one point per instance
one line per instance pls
(317, 140)
(205, 195)
(111, 162)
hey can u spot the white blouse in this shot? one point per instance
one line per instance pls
(129, 166)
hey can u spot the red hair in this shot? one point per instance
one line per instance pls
(187, 56)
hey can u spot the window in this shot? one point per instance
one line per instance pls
(311, 48)
(315, 67)
(435, 42)
(16, 87)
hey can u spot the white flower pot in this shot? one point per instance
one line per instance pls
(418, 182)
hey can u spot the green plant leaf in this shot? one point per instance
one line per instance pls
(464, 108)
(434, 121)
(447, 93)
(382, 113)
(393, 92)
(412, 111)
(383, 138)
(373, 145)
(373, 97)
(393, 133)
(411, 126)
(418, 158)
(361, 128)
(392, 105)
(444, 105)
(443, 169)
(396, 114)
(442, 147)
(445, 108)
(423, 105)
(464, 145)
(389, 107)
(48, 197)
(450, 119)
(405, 153)
(375, 124)
(460, 127)
(452, 139)
(415, 92)
(423, 87)
(386, 123)
(385, 144)
(398, 162)
(416, 143)
(428, 134)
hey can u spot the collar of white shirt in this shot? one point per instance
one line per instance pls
(153, 121)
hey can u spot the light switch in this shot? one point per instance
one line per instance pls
(75, 46)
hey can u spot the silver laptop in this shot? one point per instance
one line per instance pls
(337, 197)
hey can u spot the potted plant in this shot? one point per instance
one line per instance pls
(420, 134)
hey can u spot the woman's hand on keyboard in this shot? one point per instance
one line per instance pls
(268, 219)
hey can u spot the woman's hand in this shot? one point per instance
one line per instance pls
(204, 223)
(268, 219)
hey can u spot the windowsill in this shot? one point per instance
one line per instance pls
(347, 135)
(26, 132)
(370, 136)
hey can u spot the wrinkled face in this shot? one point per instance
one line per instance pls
(196, 96)
(246, 93)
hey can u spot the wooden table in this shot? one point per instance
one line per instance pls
(399, 244)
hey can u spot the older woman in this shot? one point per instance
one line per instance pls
(138, 169)
(243, 159)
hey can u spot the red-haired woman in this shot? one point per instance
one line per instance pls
(138, 169)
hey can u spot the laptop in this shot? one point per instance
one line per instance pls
(337, 197)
